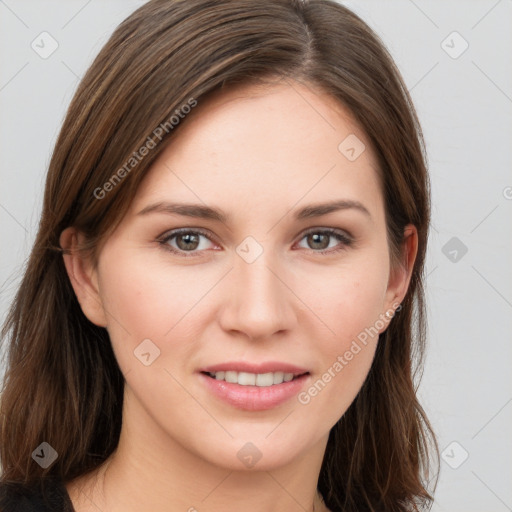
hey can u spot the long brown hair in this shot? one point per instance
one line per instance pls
(62, 383)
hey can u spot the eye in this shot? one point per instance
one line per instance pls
(185, 240)
(321, 238)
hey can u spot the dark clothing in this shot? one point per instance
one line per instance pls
(50, 496)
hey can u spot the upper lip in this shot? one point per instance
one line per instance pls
(265, 367)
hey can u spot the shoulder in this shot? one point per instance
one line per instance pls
(50, 497)
(19, 498)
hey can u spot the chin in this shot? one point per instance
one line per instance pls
(257, 451)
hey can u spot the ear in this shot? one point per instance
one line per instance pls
(400, 277)
(83, 276)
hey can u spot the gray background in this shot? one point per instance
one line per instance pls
(464, 100)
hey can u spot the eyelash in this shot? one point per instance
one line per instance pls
(163, 241)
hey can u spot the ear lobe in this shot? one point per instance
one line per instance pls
(83, 277)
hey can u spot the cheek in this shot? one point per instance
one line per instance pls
(346, 357)
(146, 300)
(347, 300)
(350, 306)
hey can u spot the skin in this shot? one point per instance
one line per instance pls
(258, 153)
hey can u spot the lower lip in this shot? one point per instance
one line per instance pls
(254, 398)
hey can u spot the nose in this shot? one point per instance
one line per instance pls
(260, 302)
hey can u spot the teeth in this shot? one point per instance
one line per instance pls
(278, 377)
(247, 379)
(253, 379)
(231, 377)
(264, 379)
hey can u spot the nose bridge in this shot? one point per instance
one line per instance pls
(260, 303)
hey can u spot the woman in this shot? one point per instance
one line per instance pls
(223, 308)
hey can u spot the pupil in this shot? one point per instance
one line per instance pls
(188, 239)
(315, 238)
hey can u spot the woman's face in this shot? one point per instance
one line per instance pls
(281, 285)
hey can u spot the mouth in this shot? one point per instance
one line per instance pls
(254, 387)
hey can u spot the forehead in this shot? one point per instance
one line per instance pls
(257, 113)
(265, 145)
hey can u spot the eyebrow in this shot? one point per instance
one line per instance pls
(206, 212)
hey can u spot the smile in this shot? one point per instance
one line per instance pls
(254, 387)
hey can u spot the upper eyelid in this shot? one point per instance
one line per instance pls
(174, 232)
